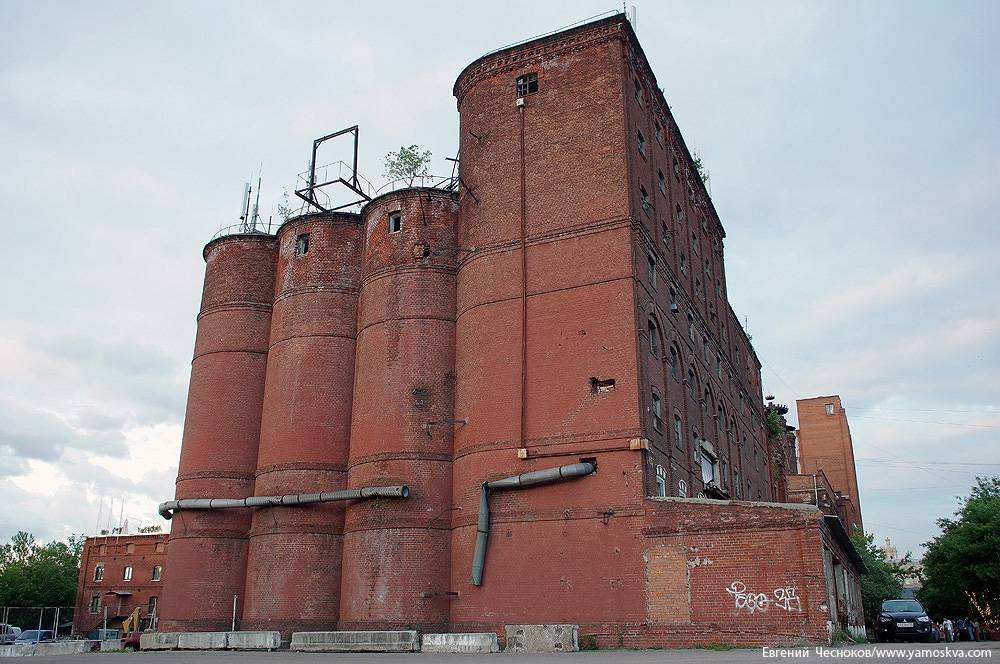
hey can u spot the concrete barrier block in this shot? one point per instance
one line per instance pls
(17, 650)
(253, 640)
(469, 642)
(201, 640)
(158, 640)
(365, 641)
(62, 648)
(542, 638)
(110, 645)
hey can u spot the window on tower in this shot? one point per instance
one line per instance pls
(395, 222)
(527, 84)
(301, 244)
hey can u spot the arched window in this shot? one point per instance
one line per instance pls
(692, 384)
(661, 481)
(674, 363)
(657, 411)
(691, 327)
(157, 572)
(127, 573)
(678, 432)
(654, 337)
(696, 444)
(682, 488)
(722, 417)
(99, 572)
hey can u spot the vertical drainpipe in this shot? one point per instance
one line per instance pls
(524, 280)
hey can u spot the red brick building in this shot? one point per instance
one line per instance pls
(825, 446)
(562, 304)
(119, 573)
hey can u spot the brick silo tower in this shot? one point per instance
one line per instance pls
(396, 570)
(546, 334)
(208, 550)
(293, 570)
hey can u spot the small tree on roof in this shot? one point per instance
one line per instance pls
(407, 163)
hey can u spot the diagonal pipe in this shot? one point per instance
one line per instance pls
(522, 481)
(289, 500)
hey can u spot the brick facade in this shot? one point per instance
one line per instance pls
(824, 444)
(523, 321)
(102, 583)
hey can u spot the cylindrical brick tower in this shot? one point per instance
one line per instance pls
(545, 359)
(208, 549)
(293, 570)
(397, 554)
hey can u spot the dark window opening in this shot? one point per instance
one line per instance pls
(301, 244)
(661, 182)
(641, 140)
(395, 222)
(644, 195)
(657, 412)
(527, 84)
(601, 385)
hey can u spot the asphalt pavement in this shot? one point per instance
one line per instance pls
(883, 652)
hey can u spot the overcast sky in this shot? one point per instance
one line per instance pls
(854, 151)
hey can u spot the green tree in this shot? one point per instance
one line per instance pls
(884, 578)
(961, 569)
(33, 574)
(407, 163)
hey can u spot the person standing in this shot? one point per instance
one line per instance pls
(949, 630)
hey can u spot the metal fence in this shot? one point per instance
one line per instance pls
(58, 619)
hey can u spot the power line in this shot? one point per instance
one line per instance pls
(987, 410)
(954, 424)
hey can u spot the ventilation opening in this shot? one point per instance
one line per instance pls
(601, 385)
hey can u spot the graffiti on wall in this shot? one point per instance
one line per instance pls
(784, 598)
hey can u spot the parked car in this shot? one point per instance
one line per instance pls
(903, 619)
(8, 634)
(35, 636)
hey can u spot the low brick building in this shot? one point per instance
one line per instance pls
(119, 573)
(562, 303)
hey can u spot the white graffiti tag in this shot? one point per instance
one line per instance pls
(752, 602)
(785, 598)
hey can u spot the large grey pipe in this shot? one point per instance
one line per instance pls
(533, 478)
(289, 500)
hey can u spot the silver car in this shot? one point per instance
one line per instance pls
(8, 634)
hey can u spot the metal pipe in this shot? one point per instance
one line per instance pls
(522, 481)
(289, 500)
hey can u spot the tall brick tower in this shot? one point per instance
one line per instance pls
(825, 445)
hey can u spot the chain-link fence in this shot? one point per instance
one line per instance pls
(55, 619)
